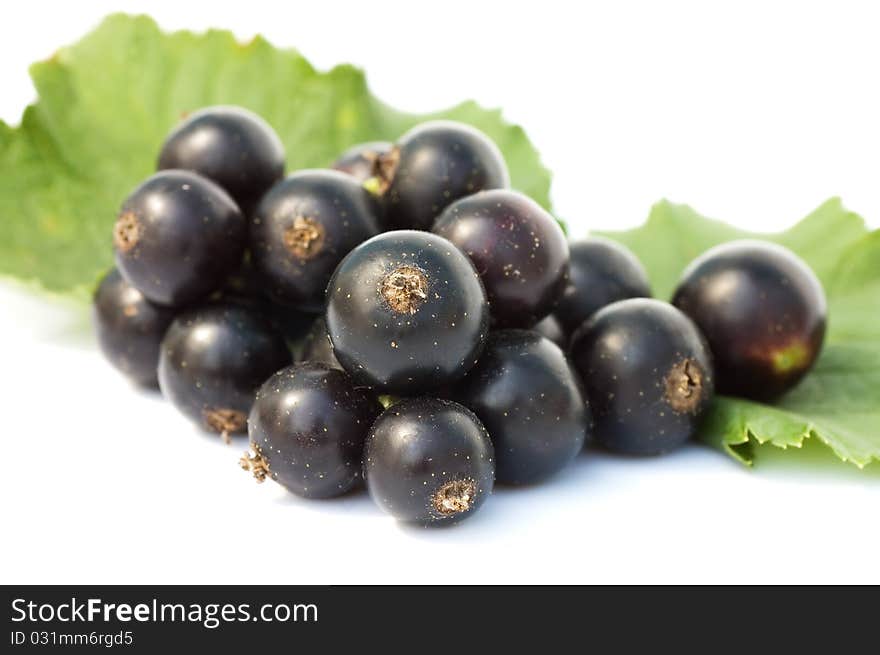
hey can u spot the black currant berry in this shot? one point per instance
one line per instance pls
(433, 165)
(307, 429)
(129, 328)
(406, 312)
(647, 373)
(361, 161)
(429, 461)
(525, 392)
(518, 249)
(602, 272)
(763, 312)
(230, 145)
(551, 328)
(212, 361)
(317, 346)
(301, 230)
(177, 237)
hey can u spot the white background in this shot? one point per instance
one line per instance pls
(754, 112)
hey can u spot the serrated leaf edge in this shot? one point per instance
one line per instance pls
(749, 437)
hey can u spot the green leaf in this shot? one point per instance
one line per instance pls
(838, 403)
(106, 103)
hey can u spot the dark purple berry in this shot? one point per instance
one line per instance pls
(129, 328)
(601, 272)
(406, 312)
(177, 238)
(518, 249)
(361, 161)
(429, 462)
(230, 145)
(212, 361)
(432, 166)
(302, 229)
(647, 373)
(529, 398)
(763, 312)
(307, 429)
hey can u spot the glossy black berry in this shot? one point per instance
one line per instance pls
(177, 237)
(212, 361)
(432, 166)
(551, 328)
(230, 145)
(361, 160)
(763, 312)
(302, 229)
(406, 312)
(317, 347)
(129, 328)
(647, 373)
(529, 398)
(601, 272)
(518, 249)
(307, 429)
(429, 461)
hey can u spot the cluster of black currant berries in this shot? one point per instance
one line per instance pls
(410, 277)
